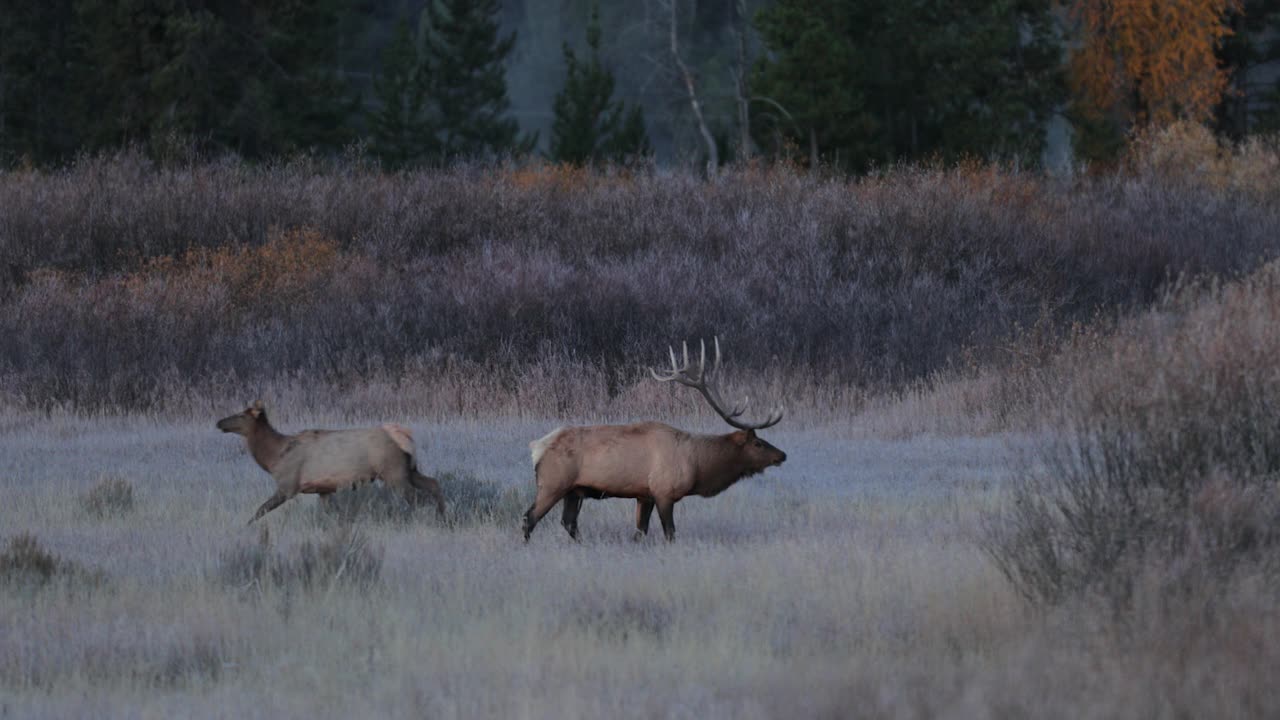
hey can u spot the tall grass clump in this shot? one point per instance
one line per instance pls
(342, 557)
(110, 497)
(473, 501)
(373, 502)
(367, 503)
(1167, 466)
(26, 565)
(468, 501)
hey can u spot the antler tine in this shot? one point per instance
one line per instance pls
(715, 369)
(700, 380)
(775, 416)
(678, 372)
(702, 360)
(669, 375)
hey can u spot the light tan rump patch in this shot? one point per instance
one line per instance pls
(539, 446)
(401, 435)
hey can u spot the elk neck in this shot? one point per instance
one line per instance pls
(718, 464)
(265, 444)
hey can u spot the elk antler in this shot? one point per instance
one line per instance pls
(701, 381)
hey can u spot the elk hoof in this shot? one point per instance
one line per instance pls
(637, 536)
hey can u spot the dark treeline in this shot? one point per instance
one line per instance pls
(851, 83)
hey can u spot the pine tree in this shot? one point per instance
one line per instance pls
(1254, 41)
(589, 125)
(126, 44)
(402, 136)
(810, 87)
(631, 139)
(259, 78)
(856, 82)
(296, 45)
(463, 58)
(38, 121)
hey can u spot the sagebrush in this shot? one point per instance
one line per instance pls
(1166, 458)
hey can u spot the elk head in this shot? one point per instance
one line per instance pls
(244, 422)
(755, 453)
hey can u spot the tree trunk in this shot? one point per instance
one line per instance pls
(744, 115)
(713, 156)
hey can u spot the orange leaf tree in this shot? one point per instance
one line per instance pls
(1150, 62)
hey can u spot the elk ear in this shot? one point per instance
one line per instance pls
(740, 437)
(255, 410)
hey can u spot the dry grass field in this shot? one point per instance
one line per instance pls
(845, 581)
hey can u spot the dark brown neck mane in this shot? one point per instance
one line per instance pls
(718, 465)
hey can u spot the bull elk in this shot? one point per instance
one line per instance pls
(655, 464)
(322, 462)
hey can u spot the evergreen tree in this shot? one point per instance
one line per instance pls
(630, 140)
(37, 56)
(260, 78)
(126, 44)
(810, 84)
(310, 100)
(202, 83)
(856, 82)
(589, 125)
(1254, 41)
(463, 58)
(402, 136)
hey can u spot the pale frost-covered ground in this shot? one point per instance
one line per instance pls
(846, 583)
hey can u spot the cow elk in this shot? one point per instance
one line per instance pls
(652, 463)
(322, 462)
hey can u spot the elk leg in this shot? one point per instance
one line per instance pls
(644, 510)
(400, 480)
(431, 487)
(666, 513)
(569, 519)
(542, 505)
(272, 503)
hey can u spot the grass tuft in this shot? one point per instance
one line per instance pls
(343, 556)
(471, 501)
(25, 565)
(111, 497)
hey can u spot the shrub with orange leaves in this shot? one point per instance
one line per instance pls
(290, 264)
(562, 177)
